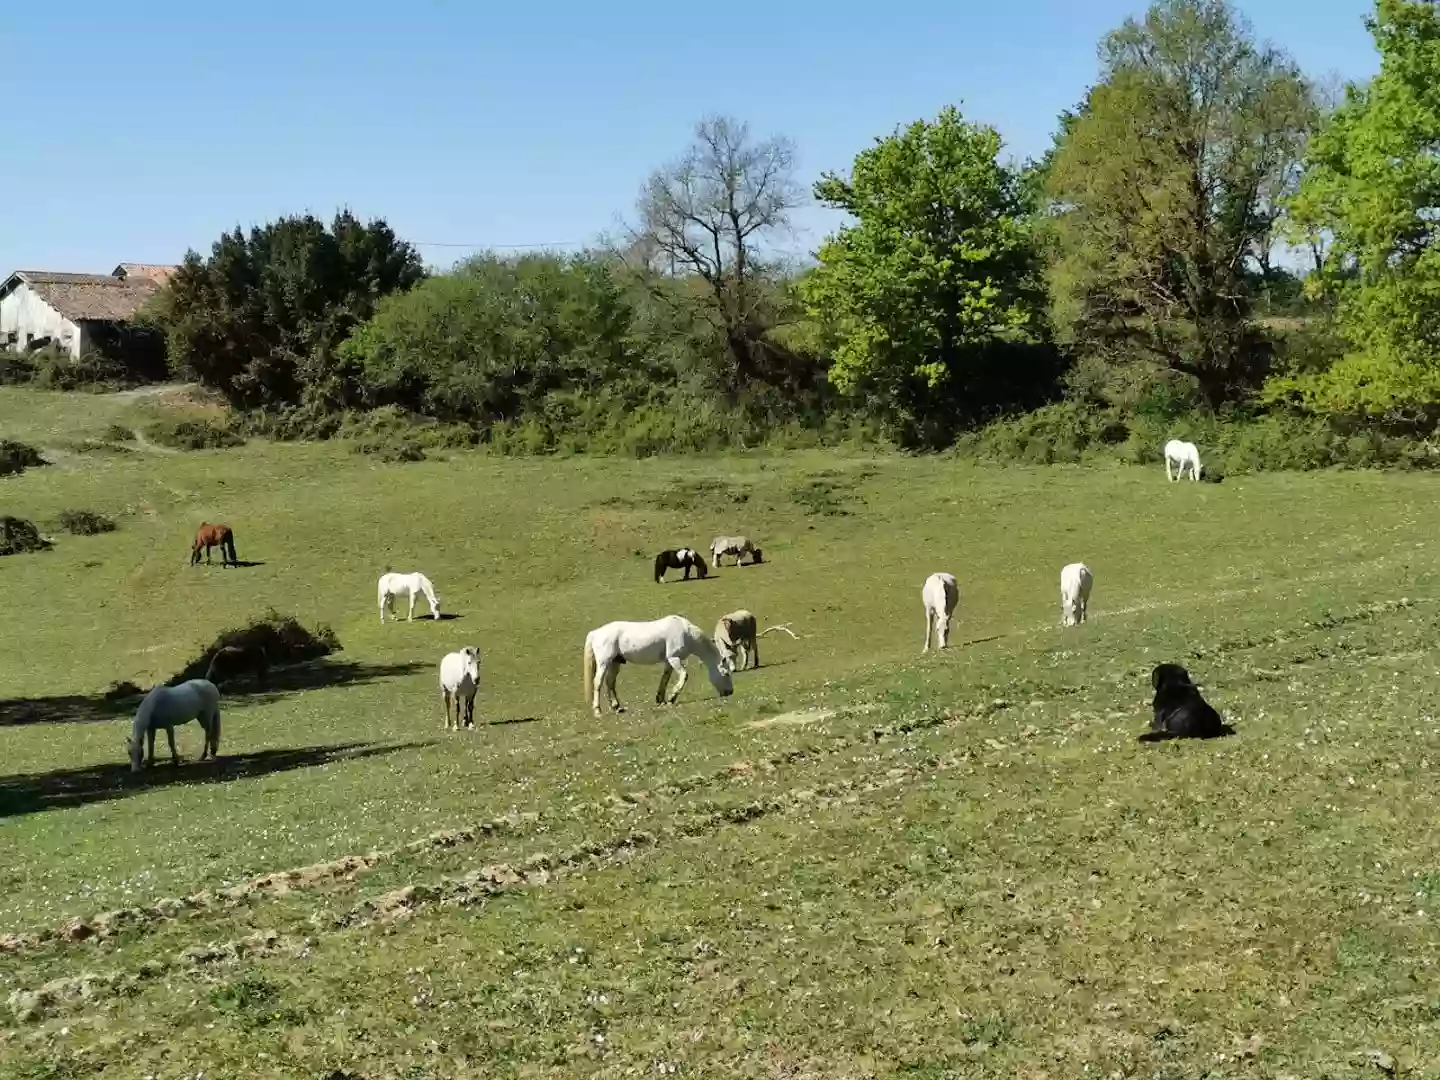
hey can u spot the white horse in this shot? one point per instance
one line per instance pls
(739, 546)
(661, 641)
(166, 706)
(1183, 454)
(407, 587)
(459, 679)
(1075, 583)
(940, 594)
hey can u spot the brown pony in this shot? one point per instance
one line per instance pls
(209, 536)
(232, 661)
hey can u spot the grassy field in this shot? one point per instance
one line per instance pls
(866, 863)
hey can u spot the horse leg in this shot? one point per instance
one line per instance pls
(929, 622)
(752, 653)
(174, 753)
(677, 666)
(410, 615)
(470, 712)
(150, 736)
(611, 675)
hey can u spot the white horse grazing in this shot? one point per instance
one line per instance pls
(661, 641)
(1075, 583)
(166, 706)
(940, 594)
(407, 587)
(459, 679)
(1183, 454)
(739, 546)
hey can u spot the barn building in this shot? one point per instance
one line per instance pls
(73, 311)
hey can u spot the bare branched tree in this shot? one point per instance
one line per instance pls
(709, 215)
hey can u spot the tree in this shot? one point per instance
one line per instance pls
(936, 277)
(1372, 182)
(489, 341)
(1165, 186)
(710, 215)
(259, 320)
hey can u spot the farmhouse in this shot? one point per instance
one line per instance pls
(73, 312)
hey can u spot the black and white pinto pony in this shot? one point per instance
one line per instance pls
(667, 641)
(679, 559)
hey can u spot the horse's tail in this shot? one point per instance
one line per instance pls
(588, 672)
(215, 728)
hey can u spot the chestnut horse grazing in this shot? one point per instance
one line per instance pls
(209, 536)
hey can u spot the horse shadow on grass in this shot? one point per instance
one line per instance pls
(28, 793)
(311, 675)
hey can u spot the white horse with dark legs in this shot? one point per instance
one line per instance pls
(1075, 584)
(667, 641)
(167, 706)
(407, 587)
(738, 546)
(1185, 455)
(940, 594)
(459, 679)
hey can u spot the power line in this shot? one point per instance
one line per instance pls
(499, 247)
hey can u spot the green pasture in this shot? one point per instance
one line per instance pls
(866, 863)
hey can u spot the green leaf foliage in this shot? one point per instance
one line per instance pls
(260, 318)
(931, 296)
(1372, 182)
(490, 341)
(1164, 189)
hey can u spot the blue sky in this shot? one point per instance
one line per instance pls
(133, 132)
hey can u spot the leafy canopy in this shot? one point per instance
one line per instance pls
(259, 319)
(1165, 187)
(491, 340)
(1372, 182)
(938, 266)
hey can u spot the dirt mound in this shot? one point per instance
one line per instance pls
(281, 637)
(18, 535)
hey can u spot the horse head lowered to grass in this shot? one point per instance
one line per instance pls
(661, 641)
(167, 706)
(212, 536)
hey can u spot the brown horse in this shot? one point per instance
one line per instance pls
(209, 536)
(232, 661)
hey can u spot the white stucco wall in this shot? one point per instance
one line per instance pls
(21, 310)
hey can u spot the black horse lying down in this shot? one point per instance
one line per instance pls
(679, 559)
(1180, 711)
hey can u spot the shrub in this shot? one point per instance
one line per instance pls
(18, 535)
(119, 433)
(16, 457)
(193, 434)
(85, 523)
(57, 370)
(1235, 442)
(282, 637)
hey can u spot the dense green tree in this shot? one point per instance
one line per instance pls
(260, 319)
(933, 292)
(491, 340)
(1164, 188)
(1372, 183)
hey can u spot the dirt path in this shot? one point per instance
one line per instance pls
(142, 392)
